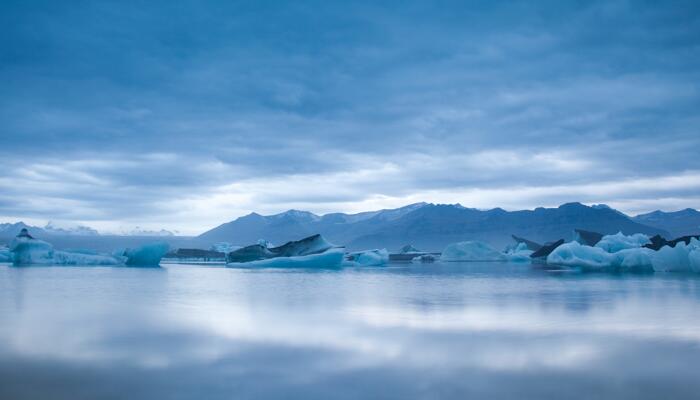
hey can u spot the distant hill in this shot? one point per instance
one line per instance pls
(428, 226)
(677, 223)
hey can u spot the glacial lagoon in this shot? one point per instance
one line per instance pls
(444, 330)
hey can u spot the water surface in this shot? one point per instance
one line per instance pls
(458, 330)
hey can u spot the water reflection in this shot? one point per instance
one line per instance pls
(442, 331)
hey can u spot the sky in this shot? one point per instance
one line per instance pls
(184, 115)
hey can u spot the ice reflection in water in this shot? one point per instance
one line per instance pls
(439, 331)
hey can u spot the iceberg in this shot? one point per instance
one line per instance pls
(26, 250)
(470, 251)
(520, 253)
(619, 241)
(148, 255)
(369, 258)
(681, 258)
(5, 255)
(313, 251)
(332, 258)
(29, 251)
(589, 258)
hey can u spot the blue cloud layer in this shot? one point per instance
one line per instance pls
(113, 111)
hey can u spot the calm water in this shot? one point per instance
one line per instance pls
(426, 331)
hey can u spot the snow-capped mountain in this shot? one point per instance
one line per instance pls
(429, 226)
(678, 223)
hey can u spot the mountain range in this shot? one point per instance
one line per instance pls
(678, 223)
(426, 226)
(433, 226)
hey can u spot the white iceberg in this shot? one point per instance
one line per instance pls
(332, 258)
(619, 241)
(470, 251)
(369, 258)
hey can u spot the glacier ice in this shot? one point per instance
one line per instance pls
(5, 255)
(315, 244)
(26, 250)
(148, 255)
(311, 252)
(520, 253)
(681, 258)
(369, 258)
(29, 251)
(574, 254)
(619, 241)
(331, 258)
(470, 251)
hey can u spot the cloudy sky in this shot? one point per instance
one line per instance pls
(182, 115)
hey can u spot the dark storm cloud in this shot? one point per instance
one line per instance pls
(143, 106)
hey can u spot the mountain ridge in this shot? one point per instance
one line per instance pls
(430, 226)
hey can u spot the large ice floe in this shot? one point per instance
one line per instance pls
(311, 252)
(620, 253)
(26, 250)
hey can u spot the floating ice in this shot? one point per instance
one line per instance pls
(519, 253)
(315, 244)
(681, 258)
(332, 258)
(5, 255)
(29, 251)
(618, 241)
(311, 252)
(25, 250)
(369, 258)
(470, 251)
(148, 255)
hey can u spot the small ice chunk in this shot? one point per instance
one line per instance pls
(470, 251)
